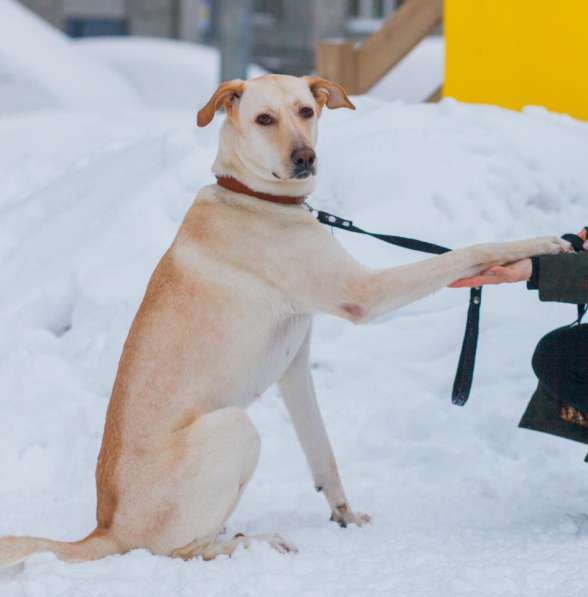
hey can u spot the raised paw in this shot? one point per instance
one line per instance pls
(343, 516)
(501, 253)
(550, 245)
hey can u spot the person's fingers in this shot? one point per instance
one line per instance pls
(474, 282)
(463, 283)
(498, 274)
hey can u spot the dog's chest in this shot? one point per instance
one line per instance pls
(285, 340)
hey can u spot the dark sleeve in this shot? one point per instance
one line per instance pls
(562, 278)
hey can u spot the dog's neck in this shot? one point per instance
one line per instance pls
(232, 184)
(228, 164)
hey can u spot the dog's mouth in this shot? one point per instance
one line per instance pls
(301, 173)
(298, 173)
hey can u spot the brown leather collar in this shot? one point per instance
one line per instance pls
(232, 184)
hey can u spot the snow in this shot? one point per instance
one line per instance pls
(38, 69)
(417, 76)
(165, 74)
(463, 502)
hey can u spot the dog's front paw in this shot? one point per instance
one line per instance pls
(343, 516)
(510, 252)
(552, 245)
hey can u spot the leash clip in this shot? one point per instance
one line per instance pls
(329, 219)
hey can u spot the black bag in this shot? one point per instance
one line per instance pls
(559, 406)
(544, 414)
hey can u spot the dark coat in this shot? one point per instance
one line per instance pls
(562, 278)
(561, 358)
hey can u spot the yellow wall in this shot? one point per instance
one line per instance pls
(518, 52)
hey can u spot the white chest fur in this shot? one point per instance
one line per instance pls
(285, 341)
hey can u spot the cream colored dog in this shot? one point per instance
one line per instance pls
(227, 313)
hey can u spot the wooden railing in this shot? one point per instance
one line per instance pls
(359, 67)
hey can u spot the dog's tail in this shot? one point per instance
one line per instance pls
(96, 545)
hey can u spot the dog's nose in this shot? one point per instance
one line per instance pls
(303, 158)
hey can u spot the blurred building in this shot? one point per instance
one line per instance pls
(284, 33)
(159, 18)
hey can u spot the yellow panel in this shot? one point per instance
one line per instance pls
(516, 53)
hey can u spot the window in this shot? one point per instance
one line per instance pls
(94, 26)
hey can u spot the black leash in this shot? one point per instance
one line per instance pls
(464, 375)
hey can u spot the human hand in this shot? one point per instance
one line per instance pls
(519, 271)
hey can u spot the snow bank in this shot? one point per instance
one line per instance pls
(463, 502)
(165, 74)
(39, 70)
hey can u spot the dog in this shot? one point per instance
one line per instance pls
(227, 313)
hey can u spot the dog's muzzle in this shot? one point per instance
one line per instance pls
(304, 162)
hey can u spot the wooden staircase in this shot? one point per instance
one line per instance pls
(358, 67)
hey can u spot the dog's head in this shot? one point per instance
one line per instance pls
(271, 125)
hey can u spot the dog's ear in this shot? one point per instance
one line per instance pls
(327, 93)
(226, 95)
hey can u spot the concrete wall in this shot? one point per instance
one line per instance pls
(89, 8)
(285, 39)
(159, 18)
(189, 20)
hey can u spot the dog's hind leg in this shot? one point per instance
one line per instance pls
(219, 453)
(210, 549)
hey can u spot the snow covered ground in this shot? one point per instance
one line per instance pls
(463, 502)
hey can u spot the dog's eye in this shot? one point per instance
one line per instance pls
(264, 119)
(306, 112)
